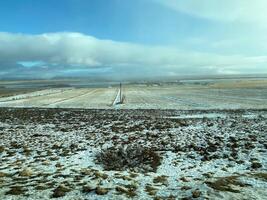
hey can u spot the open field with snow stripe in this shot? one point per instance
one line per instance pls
(194, 97)
(93, 98)
(90, 97)
(221, 94)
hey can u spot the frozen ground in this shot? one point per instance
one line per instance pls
(183, 96)
(213, 154)
(195, 97)
(65, 98)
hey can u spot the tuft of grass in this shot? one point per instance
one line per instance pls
(128, 190)
(60, 191)
(16, 190)
(227, 184)
(2, 149)
(161, 179)
(260, 175)
(131, 157)
(152, 191)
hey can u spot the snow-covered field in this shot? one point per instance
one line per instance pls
(52, 153)
(65, 98)
(194, 97)
(32, 94)
(189, 96)
(186, 140)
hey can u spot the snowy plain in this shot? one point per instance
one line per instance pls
(211, 139)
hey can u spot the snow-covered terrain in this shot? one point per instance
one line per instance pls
(52, 153)
(68, 98)
(32, 94)
(165, 96)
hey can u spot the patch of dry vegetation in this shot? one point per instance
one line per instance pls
(132, 157)
(240, 84)
(227, 184)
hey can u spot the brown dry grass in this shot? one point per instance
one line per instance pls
(240, 84)
(132, 157)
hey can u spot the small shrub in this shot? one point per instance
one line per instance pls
(132, 157)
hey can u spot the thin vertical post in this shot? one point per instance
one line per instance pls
(120, 94)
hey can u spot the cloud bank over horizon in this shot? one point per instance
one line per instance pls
(68, 53)
(132, 39)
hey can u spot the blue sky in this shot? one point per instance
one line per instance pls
(138, 21)
(178, 37)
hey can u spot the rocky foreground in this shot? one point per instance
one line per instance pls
(132, 154)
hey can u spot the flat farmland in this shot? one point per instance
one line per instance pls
(180, 140)
(196, 97)
(73, 98)
(190, 95)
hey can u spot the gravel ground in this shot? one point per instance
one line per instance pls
(132, 154)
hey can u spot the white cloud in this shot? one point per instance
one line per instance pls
(223, 10)
(75, 50)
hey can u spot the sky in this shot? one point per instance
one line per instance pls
(132, 38)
